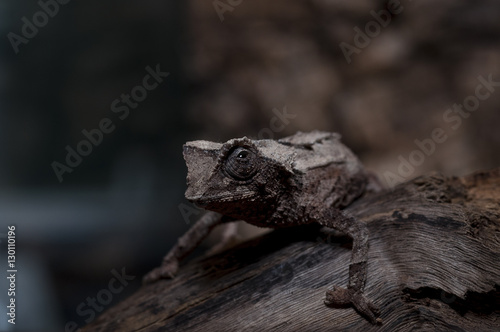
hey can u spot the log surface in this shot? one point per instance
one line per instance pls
(433, 265)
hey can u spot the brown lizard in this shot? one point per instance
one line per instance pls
(302, 179)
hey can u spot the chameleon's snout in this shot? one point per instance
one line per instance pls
(201, 159)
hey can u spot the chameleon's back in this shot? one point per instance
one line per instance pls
(329, 174)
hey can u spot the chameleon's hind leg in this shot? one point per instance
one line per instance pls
(353, 294)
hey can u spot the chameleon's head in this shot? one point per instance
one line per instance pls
(238, 178)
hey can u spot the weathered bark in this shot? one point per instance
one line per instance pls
(433, 265)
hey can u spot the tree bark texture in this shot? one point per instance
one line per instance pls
(433, 264)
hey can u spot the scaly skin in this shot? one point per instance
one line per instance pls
(306, 178)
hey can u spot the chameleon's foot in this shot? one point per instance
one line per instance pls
(228, 239)
(339, 296)
(165, 271)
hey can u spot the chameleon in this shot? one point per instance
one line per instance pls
(306, 178)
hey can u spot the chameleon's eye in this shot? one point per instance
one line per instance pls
(242, 154)
(241, 164)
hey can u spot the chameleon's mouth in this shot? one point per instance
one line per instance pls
(206, 201)
(199, 201)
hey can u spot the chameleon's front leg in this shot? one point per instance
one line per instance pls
(353, 294)
(184, 246)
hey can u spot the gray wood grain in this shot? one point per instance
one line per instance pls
(433, 265)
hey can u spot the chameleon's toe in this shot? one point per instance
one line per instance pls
(165, 271)
(151, 276)
(339, 296)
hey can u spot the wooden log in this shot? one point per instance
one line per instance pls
(433, 265)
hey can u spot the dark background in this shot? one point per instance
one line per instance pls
(119, 208)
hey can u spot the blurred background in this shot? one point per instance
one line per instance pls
(381, 73)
